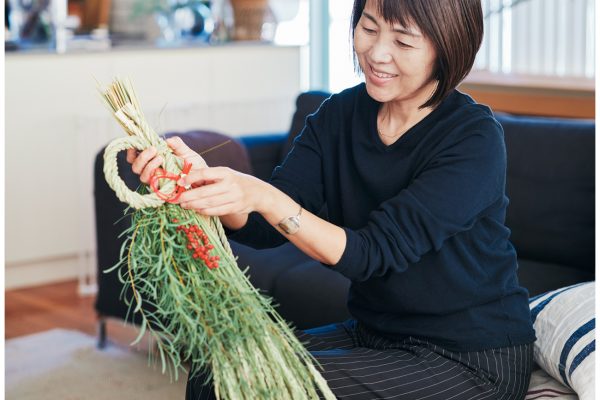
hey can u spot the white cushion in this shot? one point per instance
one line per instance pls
(564, 323)
(543, 386)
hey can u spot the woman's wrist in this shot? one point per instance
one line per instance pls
(265, 197)
(261, 200)
(234, 221)
(277, 205)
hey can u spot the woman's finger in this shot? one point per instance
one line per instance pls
(203, 192)
(178, 146)
(141, 160)
(182, 150)
(150, 168)
(205, 174)
(131, 155)
(215, 202)
(225, 209)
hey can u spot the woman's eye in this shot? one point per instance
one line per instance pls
(369, 31)
(402, 44)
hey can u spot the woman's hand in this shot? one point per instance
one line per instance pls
(145, 163)
(221, 191)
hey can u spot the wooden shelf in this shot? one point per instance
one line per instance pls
(533, 95)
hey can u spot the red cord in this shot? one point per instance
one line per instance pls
(160, 173)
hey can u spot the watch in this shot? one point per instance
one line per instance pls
(291, 225)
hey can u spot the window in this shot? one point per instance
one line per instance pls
(538, 37)
(292, 17)
(341, 65)
(553, 38)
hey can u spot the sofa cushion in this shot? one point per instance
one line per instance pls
(550, 184)
(539, 277)
(231, 154)
(264, 152)
(299, 285)
(311, 295)
(306, 104)
(266, 265)
(564, 322)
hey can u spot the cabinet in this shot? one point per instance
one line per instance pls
(56, 123)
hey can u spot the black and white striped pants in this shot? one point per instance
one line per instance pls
(359, 365)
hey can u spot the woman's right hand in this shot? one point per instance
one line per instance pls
(145, 163)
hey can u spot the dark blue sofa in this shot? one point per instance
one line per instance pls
(550, 184)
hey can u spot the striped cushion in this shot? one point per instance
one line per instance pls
(564, 324)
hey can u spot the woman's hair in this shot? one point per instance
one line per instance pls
(455, 27)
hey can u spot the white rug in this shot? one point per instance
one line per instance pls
(66, 365)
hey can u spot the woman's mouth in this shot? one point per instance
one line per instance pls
(380, 77)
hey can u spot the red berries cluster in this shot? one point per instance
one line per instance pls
(199, 244)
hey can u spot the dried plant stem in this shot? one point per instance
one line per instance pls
(211, 317)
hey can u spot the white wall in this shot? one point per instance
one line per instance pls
(56, 123)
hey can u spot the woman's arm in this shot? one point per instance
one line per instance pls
(232, 196)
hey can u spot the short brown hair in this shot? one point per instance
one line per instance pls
(455, 27)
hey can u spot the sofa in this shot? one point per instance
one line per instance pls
(551, 187)
(550, 184)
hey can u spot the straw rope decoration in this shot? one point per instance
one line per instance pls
(199, 307)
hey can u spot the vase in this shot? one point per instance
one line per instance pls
(191, 22)
(249, 17)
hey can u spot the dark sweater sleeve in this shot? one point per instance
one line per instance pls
(299, 176)
(447, 197)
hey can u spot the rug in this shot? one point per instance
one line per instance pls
(66, 365)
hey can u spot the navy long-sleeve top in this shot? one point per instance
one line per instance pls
(427, 250)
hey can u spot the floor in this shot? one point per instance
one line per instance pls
(58, 305)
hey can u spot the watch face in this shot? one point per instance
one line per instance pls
(290, 225)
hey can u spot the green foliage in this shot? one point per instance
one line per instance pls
(213, 318)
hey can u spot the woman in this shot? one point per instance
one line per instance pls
(412, 173)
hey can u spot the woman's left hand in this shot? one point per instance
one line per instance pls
(222, 191)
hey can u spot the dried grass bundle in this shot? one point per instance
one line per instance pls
(203, 308)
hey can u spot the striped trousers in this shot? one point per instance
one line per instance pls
(359, 365)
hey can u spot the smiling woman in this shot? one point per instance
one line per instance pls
(536, 58)
(406, 65)
(412, 174)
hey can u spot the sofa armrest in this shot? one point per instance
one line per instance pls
(264, 151)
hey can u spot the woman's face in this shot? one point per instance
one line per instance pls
(397, 61)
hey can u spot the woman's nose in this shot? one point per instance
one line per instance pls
(380, 52)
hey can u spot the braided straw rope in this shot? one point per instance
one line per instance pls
(141, 136)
